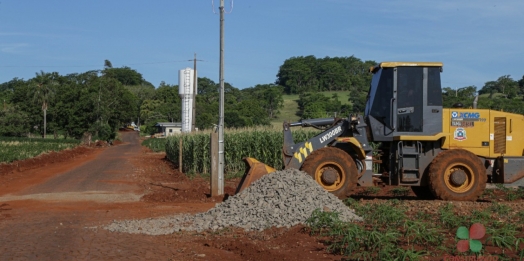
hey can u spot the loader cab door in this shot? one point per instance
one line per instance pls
(409, 96)
(380, 103)
(404, 100)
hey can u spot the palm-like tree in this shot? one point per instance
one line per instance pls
(43, 92)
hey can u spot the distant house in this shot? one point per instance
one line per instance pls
(168, 128)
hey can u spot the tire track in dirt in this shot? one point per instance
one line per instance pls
(105, 178)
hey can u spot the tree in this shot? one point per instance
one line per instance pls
(44, 84)
(504, 85)
(171, 102)
(305, 74)
(332, 76)
(107, 64)
(316, 105)
(507, 86)
(296, 75)
(13, 122)
(269, 95)
(358, 100)
(125, 75)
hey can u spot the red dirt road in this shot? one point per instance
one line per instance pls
(54, 208)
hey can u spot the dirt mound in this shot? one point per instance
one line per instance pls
(164, 183)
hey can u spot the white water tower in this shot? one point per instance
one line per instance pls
(187, 92)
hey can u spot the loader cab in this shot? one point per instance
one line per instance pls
(405, 98)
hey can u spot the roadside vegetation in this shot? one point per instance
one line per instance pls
(264, 144)
(398, 230)
(101, 101)
(12, 149)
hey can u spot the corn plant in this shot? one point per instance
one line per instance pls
(382, 214)
(483, 217)
(422, 233)
(448, 218)
(262, 144)
(156, 145)
(520, 216)
(12, 149)
(502, 235)
(500, 209)
(423, 216)
(411, 254)
(347, 239)
(321, 220)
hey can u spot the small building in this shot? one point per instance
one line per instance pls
(165, 129)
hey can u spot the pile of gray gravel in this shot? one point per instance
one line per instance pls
(280, 199)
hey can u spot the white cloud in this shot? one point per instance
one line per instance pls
(16, 48)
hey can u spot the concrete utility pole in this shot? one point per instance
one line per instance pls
(221, 108)
(195, 83)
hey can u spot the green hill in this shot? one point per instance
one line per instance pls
(290, 110)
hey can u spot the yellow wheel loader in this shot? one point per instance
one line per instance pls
(448, 154)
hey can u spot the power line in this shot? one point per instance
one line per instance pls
(76, 66)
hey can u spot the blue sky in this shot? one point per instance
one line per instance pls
(477, 40)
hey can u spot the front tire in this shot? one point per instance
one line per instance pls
(333, 169)
(457, 174)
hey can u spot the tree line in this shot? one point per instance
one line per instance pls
(101, 101)
(307, 76)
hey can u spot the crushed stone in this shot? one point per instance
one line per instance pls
(280, 199)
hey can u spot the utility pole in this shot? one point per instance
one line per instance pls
(195, 83)
(221, 107)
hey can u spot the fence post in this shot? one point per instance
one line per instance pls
(180, 155)
(214, 163)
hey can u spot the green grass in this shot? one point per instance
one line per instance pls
(343, 96)
(290, 110)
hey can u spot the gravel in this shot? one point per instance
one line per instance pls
(281, 199)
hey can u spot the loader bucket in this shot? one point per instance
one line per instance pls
(254, 170)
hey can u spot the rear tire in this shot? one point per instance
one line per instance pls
(333, 169)
(457, 174)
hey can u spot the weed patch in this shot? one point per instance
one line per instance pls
(393, 230)
(400, 191)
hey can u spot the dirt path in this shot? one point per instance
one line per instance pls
(55, 210)
(105, 178)
(54, 207)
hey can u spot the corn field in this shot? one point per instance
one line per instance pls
(12, 149)
(264, 145)
(156, 145)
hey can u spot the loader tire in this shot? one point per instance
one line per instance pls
(457, 174)
(333, 169)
